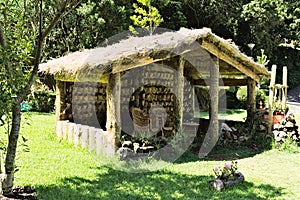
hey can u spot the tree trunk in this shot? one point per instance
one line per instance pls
(8, 176)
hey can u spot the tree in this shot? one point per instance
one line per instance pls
(146, 17)
(22, 35)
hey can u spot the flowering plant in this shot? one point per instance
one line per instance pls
(228, 171)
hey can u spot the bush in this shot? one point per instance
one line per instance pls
(42, 101)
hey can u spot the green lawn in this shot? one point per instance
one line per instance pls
(60, 171)
(229, 114)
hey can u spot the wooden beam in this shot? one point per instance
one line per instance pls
(102, 78)
(221, 55)
(284, 86)
(222, 82)
(129, 63)
(251, 101)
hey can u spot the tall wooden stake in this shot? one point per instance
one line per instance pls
(251, 101)
(271, 98)
(284, 87)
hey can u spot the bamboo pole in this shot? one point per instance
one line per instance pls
(271, 98)
(284, 87)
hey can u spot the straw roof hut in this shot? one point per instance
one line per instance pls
(197, 56)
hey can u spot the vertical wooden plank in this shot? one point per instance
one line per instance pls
(284, 86)
(251, 85)
(271, 98)
(84, 139)
(92, 141)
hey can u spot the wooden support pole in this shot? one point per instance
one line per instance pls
(251, 101)
(271, 98)
(212, 135)
(180, 91)
(112, 100)
(284, 87)
(214, 98)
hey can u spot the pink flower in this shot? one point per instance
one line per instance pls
(227, 165)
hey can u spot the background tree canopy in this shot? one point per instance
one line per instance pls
(272, 25)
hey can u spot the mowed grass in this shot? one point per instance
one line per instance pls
(59, 170)
(229, 114)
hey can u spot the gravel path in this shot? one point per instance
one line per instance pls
(293, 100)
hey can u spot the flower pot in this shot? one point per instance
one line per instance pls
(277, 117)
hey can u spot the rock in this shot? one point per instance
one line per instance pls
(225, 127)
(136, 147)
(146, 149)
(241, 138)
(276, 133)
(263, 128)
(234, 137)
(127, 144)
(289, 124)
(125, 153)
(217, 184)
(277, 126)
(282, 134)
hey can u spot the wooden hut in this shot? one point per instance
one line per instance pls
(93, 90)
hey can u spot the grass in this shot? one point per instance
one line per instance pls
(59, 170)
(229, 114)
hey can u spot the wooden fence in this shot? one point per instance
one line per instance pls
(91, 138)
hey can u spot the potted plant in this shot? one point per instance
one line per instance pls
(226, 176)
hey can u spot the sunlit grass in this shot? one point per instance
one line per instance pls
(59, 170)
(229, 114)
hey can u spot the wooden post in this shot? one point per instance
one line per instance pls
(179, 87)
(284, 86)
(251, 101)
(60, 98)
(214, 98)
(271, 98)
(212, 135)
(112, 125)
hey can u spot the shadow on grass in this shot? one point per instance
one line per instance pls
(163, 184)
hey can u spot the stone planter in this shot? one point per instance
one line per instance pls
(220, 184)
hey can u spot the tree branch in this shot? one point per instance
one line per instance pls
(2, 37)
(41, 38)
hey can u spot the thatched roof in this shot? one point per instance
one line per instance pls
(137, 51)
